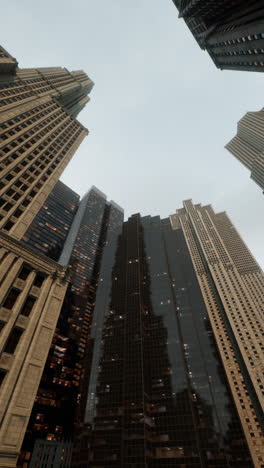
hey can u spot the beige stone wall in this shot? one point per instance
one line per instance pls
(38, 141)
(25, 365)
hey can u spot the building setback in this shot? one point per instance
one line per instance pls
(248, 145)
(177, 370)
(63, 386)
(39, 135)
(232, 32)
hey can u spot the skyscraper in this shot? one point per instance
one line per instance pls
(248, 145)
(177, 369)
(39, 135)
(48, 231)
(63, 387)
(232, 32)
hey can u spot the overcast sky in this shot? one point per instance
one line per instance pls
(160, 112)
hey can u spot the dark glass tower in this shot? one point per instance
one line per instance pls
(63, 386)
(231, 31)
(83, 251)
(49, 229)
(161, 389)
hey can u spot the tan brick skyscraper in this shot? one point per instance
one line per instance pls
(39, 135)
(248, 144)
(232, 285)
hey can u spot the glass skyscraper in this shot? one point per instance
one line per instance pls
(48, 231)
(76, 232)
(169, 383)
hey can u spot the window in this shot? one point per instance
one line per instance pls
(8, 206)
(2, 375)
(13, 340)
(18, 213)
(24, 272)
(8, 225)
(39, 279)
(28, 306)
(11, 298)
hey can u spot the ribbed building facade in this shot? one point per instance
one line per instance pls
(39, 135)
(232, 285)
(177, 370)
(61, 394)
(232, 32)
(248, 145)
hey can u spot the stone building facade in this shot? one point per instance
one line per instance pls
(39, 135)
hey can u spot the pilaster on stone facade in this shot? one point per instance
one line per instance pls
(32, 290)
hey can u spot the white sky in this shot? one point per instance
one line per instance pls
(160, 112)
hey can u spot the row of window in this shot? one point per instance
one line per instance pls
(243, 64)
(22, 120)
(241, 40)
(48, 157)
(231, 53)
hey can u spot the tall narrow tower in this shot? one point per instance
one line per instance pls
(60, 402)
(39, 135)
